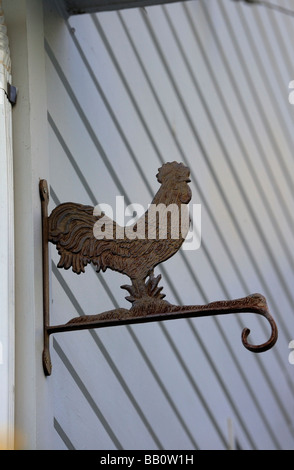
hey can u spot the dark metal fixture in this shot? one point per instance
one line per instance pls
(71, 227)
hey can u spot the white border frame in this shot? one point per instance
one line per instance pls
(7, 289)
(33, 406)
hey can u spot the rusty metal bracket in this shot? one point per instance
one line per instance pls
(71, 227)
(44, 195)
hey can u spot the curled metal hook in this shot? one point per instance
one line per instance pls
(255, 303)
(262, 310)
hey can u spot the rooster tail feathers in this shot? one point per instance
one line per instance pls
(70, 228)
(75, 261)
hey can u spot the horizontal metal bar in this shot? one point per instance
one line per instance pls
(252, 304)
(77, 7)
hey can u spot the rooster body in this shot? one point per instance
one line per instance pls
(71, 229)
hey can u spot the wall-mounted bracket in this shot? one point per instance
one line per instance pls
(71, 227)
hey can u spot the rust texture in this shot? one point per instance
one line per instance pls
(71, 228)
(44, 195)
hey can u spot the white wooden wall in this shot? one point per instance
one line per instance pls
(7, 311)
(205, 83)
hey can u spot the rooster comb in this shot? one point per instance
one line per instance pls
(172, 170)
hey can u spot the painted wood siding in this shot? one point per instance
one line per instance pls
(204, 83)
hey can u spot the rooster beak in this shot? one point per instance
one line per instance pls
(184, 179)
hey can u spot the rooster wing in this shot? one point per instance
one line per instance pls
(71, 230)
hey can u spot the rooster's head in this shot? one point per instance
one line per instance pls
(176, 176)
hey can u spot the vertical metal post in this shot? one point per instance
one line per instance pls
(44, 195)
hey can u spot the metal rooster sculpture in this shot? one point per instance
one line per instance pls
(71, 227)
(72, 230)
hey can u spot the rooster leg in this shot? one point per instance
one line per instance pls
(145, 293)
(137, 290)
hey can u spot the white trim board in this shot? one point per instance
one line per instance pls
(6, 250)
(33, 420)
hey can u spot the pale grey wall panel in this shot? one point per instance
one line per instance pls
(205, 83)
